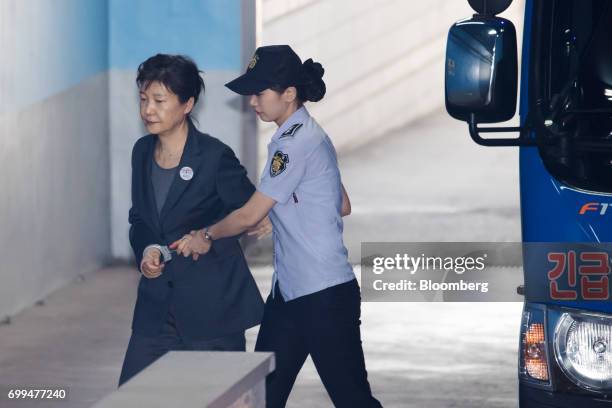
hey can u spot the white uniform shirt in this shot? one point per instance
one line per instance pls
(302, 176)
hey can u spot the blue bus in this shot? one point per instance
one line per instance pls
(565, 142)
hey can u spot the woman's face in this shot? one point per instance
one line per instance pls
(160, 109)
(272, 106)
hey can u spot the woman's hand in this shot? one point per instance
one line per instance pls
(261, 230)
(193, 244)
(151, 265)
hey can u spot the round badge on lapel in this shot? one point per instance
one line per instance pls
(186, 173)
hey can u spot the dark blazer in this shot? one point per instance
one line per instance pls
(215, 295)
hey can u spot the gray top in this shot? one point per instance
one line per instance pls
(162, 180)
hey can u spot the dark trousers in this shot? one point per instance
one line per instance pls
(325, 325)
(143, 350)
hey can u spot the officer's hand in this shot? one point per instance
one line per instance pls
(193, 244)
(261, 230)
(151, 265)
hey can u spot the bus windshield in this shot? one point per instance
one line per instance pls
(577, 68)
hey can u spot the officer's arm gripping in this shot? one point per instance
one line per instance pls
(247, 216)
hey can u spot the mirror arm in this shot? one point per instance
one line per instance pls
(522, 140)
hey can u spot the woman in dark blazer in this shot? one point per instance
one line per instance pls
(183, 180)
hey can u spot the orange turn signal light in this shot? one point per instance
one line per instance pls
(534, 352)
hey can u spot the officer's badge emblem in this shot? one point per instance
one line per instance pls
(291, 131)
(253, 61)
(279, 163)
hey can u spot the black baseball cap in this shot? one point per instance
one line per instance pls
(272, 65)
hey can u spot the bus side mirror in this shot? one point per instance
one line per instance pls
(481, 76)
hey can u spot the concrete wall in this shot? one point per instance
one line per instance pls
(211, 32)
(54, 205)
(69, 118)
(384, 59)
(69, 108)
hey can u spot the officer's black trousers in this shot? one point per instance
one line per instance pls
(325, 325)
(144, 350)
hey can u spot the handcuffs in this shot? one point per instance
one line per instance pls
(166, 252)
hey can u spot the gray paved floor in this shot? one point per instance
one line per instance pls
(427, 182)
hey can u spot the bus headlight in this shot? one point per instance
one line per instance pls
(583, 349)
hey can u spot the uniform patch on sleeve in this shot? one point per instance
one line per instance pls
(291, 131)
(279, 163)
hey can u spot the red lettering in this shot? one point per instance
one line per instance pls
(600, 266)
(595, 289)
(560, 260)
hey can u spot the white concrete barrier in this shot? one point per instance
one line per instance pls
(197, 379)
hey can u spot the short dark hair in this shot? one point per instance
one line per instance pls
(178, 73)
